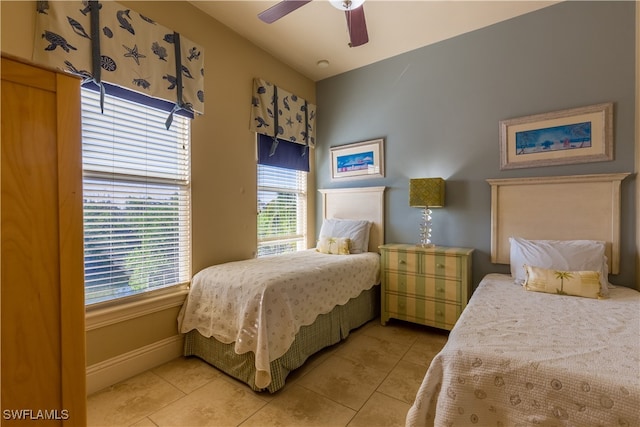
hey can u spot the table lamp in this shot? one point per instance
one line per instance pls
(426, 193)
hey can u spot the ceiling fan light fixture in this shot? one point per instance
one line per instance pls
(346, 4)
(323, 63)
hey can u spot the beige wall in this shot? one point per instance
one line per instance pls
(637, 144)
(223, 150)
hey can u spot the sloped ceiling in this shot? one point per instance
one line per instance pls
(317, 31)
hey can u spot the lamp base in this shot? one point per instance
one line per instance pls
(425, 229)
(425, 245)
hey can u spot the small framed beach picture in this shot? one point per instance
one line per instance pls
(358, 160)
(577, 135)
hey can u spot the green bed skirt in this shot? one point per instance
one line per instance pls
(328, 329)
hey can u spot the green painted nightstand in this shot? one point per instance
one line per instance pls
(430, 286)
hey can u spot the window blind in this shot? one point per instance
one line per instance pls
(136, 197)
(282, 214)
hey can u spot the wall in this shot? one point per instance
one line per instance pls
(637, 143)
(438, 109)
(224, 202)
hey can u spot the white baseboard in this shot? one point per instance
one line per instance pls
(116, 369)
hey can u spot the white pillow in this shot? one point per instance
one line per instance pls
(355, 229)
(567, 255)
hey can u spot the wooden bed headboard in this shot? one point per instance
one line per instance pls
(557, 208)
(357, 203)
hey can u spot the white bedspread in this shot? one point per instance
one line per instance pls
(260, 304)
(521, 358)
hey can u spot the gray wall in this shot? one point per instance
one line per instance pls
(438, 109)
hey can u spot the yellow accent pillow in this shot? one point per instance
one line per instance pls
(576, 283)
(334, 245)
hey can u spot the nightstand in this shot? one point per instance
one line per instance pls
(430, 286)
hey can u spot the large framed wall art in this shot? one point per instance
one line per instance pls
(577, 135)
(358, 160)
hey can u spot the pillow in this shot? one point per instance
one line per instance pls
(355, 229)
(334, 245)
(577, 283)
(565, 255)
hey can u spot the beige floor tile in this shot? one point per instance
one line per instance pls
(344, 381)
(312, 362)
(425, 348)
(129, 401)
(297, 406)
(381, 411)
(372, 351)
(187, 373)
(402, 333)
(404, 381)
(218, 403)
(145, 422)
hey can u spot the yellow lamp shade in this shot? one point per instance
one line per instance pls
(426, 192)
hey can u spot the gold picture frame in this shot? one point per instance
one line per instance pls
(576, 135)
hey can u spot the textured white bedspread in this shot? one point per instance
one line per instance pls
(521, 358)
(260, 304)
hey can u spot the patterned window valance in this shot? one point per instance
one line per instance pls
(107, 42)
(281, 114)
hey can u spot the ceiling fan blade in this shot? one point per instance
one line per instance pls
(357, 26)
(281, 9)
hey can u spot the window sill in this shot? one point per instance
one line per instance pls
(114, 312)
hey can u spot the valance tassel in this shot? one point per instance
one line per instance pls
(275, 112)
(274, 147)
(179, 104)
(306, 129)
(94, 9)
(169, 120)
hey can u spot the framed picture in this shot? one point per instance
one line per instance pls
(359, 160)
(577, 135)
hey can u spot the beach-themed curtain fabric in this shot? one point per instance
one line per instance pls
(107, 42)
(282, 115)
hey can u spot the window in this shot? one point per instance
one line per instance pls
(136, 198)
(282, 210)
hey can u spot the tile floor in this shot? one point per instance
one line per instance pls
(370, 380)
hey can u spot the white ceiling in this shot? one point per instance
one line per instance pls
(318, 31)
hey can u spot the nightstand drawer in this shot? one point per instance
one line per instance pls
(440, 265)
(422, 286)
(433, 264)
(424, 311)
(402, 261)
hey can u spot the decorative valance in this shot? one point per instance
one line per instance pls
(282, 115)
(107, 42)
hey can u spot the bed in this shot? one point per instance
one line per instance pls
(259, 319)
(521, 355)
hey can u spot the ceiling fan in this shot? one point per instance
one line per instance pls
(353, 9)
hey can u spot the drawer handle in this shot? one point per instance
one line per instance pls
(402, 261)
(439, 313)
(439, 265)
(440, 289)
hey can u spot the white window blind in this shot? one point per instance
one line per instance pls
(282, 210)
(136, 194)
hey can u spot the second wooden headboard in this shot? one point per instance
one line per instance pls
(557, 208)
